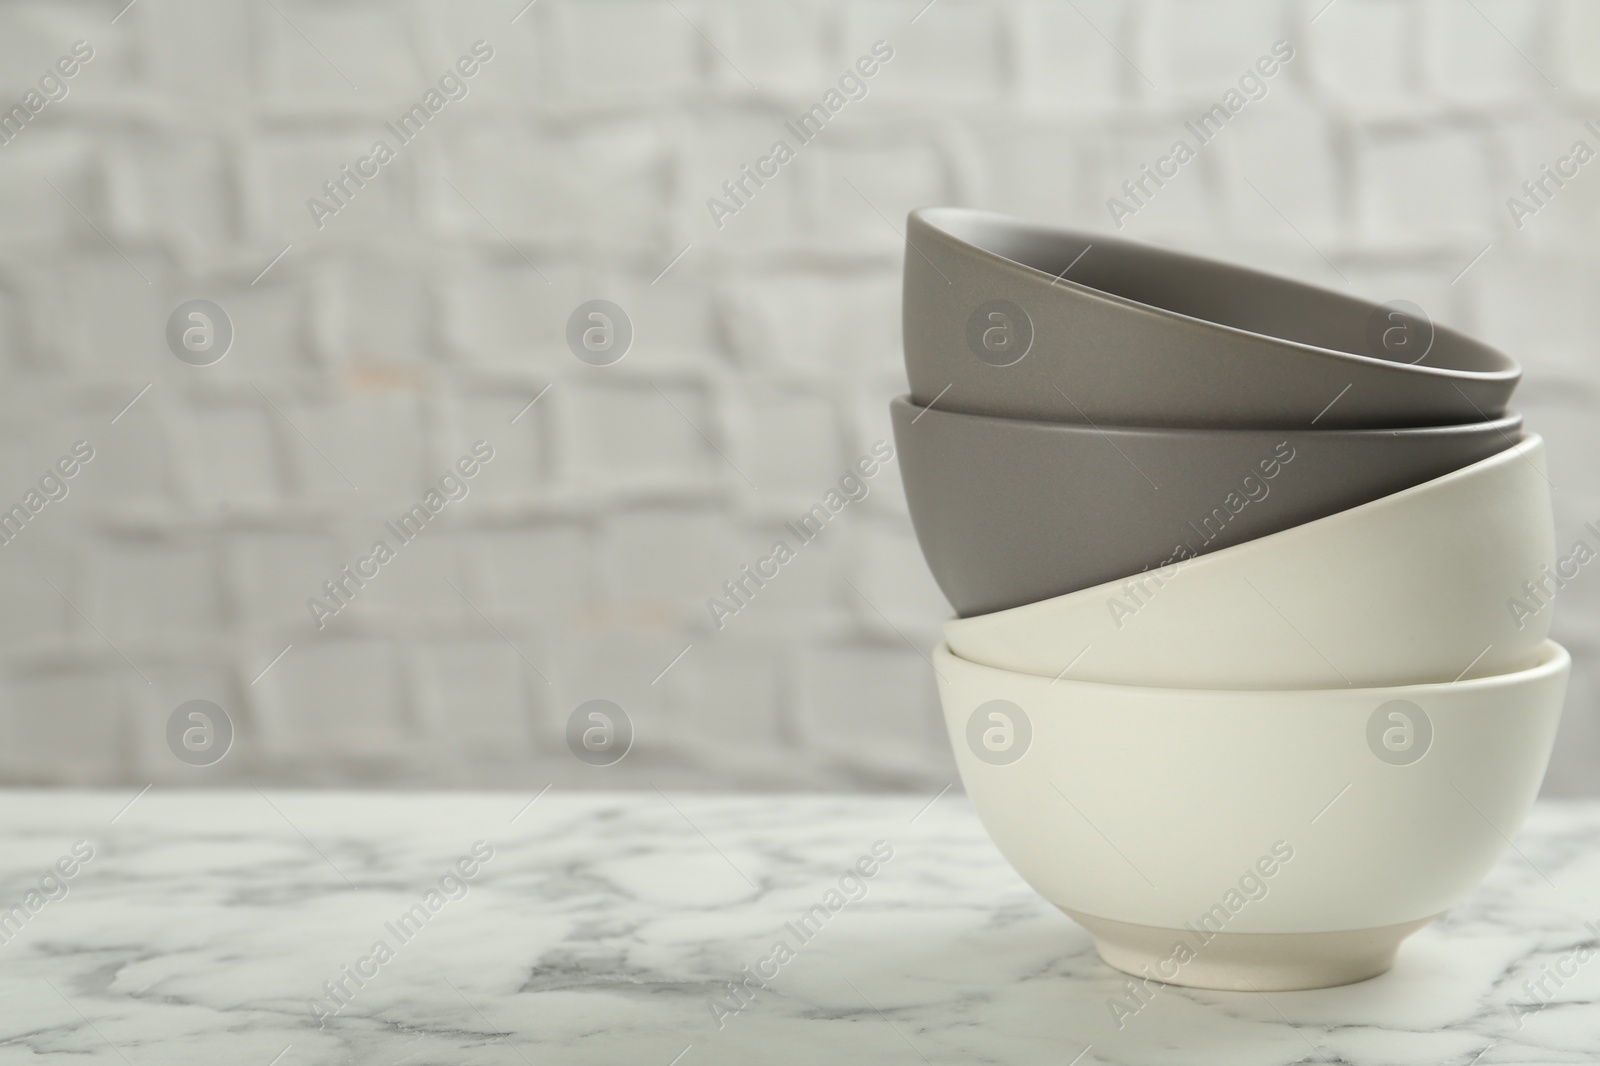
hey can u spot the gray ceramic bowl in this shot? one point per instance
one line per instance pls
(1007, 318)
(1010, 512)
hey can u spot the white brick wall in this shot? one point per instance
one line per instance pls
(427, 313)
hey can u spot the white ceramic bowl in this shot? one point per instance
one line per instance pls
(1153, 816)
(1413, 588)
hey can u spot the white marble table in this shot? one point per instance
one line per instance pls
(604, 927)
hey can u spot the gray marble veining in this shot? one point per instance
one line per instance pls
(245, 928)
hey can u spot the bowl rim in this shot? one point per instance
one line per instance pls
(932, 217)
(1553, 659)
(1530, 444)
(1503, 423)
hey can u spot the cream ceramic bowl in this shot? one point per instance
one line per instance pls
(1420, 586)
(1251, 839)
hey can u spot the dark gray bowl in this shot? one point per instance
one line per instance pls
(1010, 511)
(1007, 318)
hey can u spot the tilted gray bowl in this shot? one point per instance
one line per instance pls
(1004, 317)
(1010, 511)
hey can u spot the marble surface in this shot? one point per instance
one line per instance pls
(604, 928)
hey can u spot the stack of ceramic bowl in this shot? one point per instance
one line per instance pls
(1247, 675)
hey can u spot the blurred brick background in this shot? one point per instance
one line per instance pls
(429, 312)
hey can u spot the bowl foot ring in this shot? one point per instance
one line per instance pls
(1246, 962)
